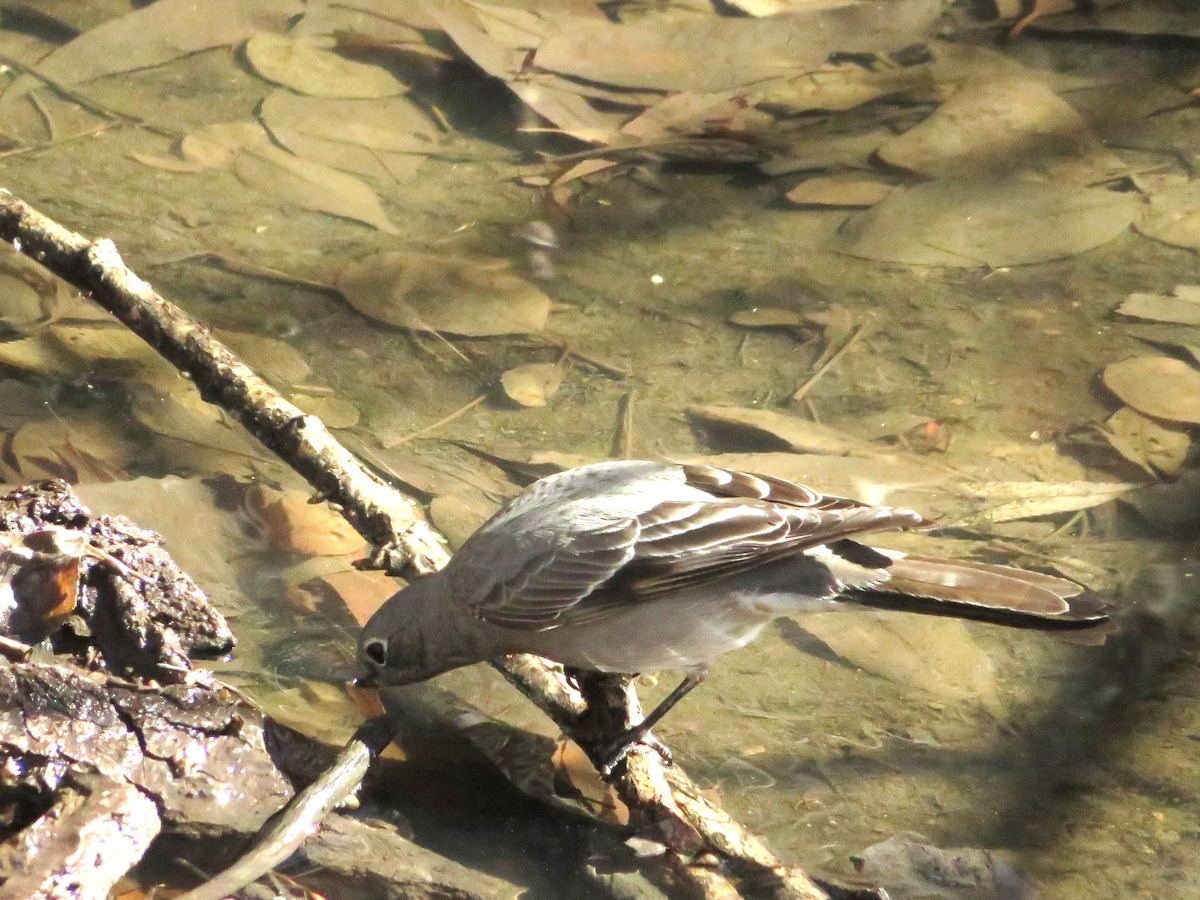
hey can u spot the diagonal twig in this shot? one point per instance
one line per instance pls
(393, 522)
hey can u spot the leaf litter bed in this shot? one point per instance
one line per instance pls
(977, 315)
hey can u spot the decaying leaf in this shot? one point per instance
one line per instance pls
(443, 293)
(184, 417)
(216, 146)
(380, 165)
(712, 53)
(269, 357)
(333, 411)
(75, 449)
(593, 793)
(1181, 306)
(38, 355)
(311, 185)
(180, 510)
(244, 148)
(1003, 124)
(1146, 442)
(21, 303)
(839, 87)
(1042, 461)
(685, 114)
(767, 317)
(361, 592)
(99, 344)
(1008, 501)
(39, 581)
(156, 34)
(1158, 386)
(792, 432)
(1041, 8)
(458, 514)
(102, 348)
(825, 146)
(838, 191)
(306, 68)
(933, 654)
(1172, 211)
(532, 384)
(385, 139)
(1009, 222)
(294, 524)
(389, 123)
(687, 67)
(1119, 17)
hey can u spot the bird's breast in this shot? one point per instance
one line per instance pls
(660, 634)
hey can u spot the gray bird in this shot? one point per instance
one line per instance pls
(637, 566)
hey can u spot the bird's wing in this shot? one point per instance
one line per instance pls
(731, 522)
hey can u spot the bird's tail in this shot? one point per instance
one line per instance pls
(972, 590)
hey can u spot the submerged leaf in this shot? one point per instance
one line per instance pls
(1181, 307)
(838, 191)
(361, 592)
(793, 432)
(384, 139)
(1172, 214)
(933, 654)
(273, 359)
(1002, 124)
(216, 146)
(294, 524)
(262, 166)
(459, 513)
(1008, 501)
(716, 53)
(1146, 442)
(334, 412)
(76, 449)
(970, 222)
(442, 293)
(308, 69)
(1159, 386)
(532, 384)
(767, 317)
(185, 417)
(157, 34)
(311, 185)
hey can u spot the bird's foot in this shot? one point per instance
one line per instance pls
(614, 753)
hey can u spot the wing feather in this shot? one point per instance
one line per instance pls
(710, 525)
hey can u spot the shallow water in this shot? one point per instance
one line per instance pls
(1079, 759)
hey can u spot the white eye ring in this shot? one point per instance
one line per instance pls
(375, 651)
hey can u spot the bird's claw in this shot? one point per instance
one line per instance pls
(614, 753)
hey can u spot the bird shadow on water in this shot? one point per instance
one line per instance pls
(1107, 703)
(1087, 782)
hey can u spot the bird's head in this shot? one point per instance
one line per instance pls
(413, 636)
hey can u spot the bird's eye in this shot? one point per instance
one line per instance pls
(375, 651)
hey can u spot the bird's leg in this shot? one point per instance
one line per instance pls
(612, 755)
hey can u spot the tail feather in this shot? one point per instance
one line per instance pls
(973, 590)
